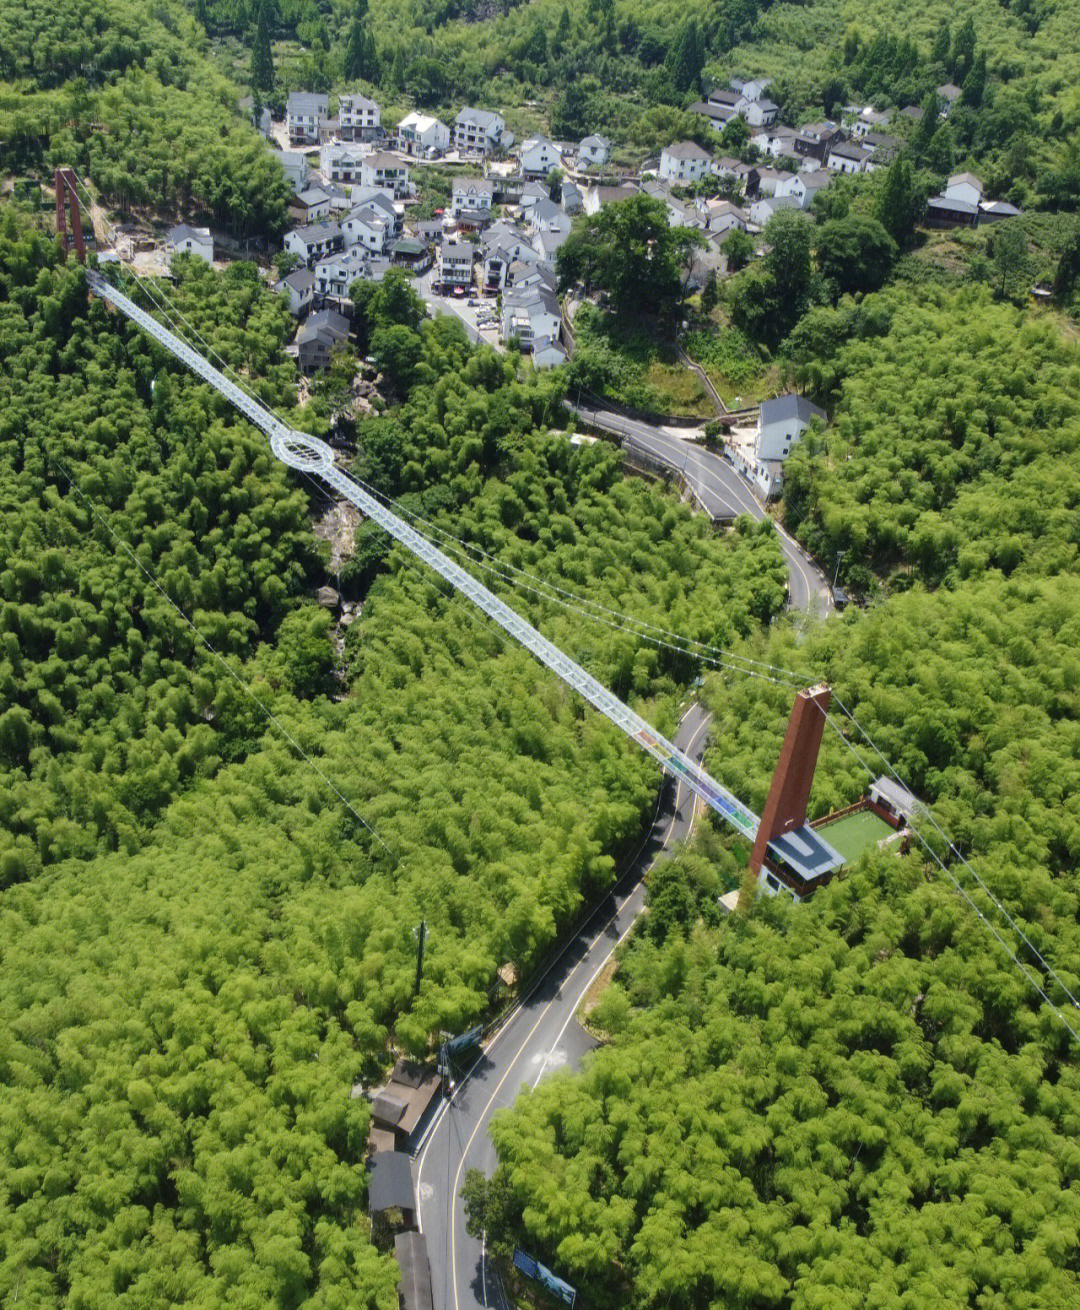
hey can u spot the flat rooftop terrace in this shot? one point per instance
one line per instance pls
(855, 833)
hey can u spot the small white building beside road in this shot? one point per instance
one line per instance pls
(185, 240)
(781, 426)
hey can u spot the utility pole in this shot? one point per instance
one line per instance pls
(421, 937)
(836, 571)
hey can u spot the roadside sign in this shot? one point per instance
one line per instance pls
(542, 1274)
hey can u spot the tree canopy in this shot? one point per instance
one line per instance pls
(631, 252)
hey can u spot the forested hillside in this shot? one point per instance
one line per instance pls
(202, 948)
(863, 1098)
(125, 91)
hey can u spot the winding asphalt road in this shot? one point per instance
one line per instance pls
(541, 1035)
(721, 492)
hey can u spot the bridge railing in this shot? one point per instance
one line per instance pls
(300, 451)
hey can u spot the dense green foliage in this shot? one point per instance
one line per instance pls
(183, 1017)
(126, 94)
(630, 365)
(863, 1098)
(955, 441)
(110, 705)
(837, 1104)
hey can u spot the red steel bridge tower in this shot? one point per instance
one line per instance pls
(65, 192)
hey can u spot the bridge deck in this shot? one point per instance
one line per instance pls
(312, 456)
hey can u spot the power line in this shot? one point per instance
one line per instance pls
(1031, 979)
(580, 606)
(950, 844)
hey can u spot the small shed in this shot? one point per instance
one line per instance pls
(896, 799)
(414, 1291)
(391, 1185)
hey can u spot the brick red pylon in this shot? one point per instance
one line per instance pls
(785, 808)
(65, 193)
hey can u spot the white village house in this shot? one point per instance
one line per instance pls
(294, 164)
(480, 131)
(388, 172)
(471, 195)
(966, 187)
(781, 425)
(367, 228)
(185, 240)
(305, 113)
(803, 187)
(314, 240)
(383, 204)
(762, 210)
(299, 286)
(339, 161)
(420, 134)
(531, 314)
(454, 263)
(594, 150)
(359, 119)
(336, 273)
(847, 157)
(721, 216)
(539, 156)
(685, 161)
(310, 205)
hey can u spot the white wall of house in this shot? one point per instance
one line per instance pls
(202, 247)
(965, 191)
(470, 197)
(539, 157)
(841, 164)
(419, 133)
(677, 168)
(358, 116)
(378, 171)
(366, 229)
(594, 150)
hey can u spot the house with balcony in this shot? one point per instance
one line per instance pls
(454, 263)
(480, 131)
(335, 274)
(359, 119)
(305, 114)
(387, 172)
(314, 240)
(339, 161)
(471, 196)
(421, 136)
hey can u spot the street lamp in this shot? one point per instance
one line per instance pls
(836, 571)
